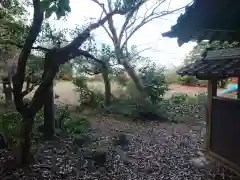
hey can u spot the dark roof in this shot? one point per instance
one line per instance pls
(215, 64)
(208, 20)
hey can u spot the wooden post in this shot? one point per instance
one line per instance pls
(211, 91)
(238, 90)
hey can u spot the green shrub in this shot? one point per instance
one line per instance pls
(136, 106)
(187, 80)
(9, 125)
(154, 82)
(76, 125)
(181, 107)
(179, 98)
(86, 96)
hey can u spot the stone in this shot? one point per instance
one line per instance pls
(99, 156)
(199, 162)
(121, 140)
(80, 141)
(200, 154)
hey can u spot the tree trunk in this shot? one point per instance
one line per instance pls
(107, 85)
(137, 81)
(25, 140)
(49, 120)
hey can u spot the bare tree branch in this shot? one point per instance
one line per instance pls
(128, 18)
(152, 16)
(81, 38)
(86, 54)
(107, 31)
(101, 5)
(111, 25)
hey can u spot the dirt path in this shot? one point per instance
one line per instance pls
(68, 95)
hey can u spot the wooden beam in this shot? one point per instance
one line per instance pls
(211, 92)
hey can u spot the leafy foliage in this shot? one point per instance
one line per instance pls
(86, 96)
(187, 80)
(181, 107)
(77, 125)
(9, 125)
(154, 82)
(12, 27)
(136, 106)
(59, 7)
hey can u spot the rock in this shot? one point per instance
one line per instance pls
(3, 141)
(148, 170)
(99, 156)
(199, 162)
(82, 140)
(200, 154)
(121, 140)
(124, 157)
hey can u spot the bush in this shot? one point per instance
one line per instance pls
(86, 96)
(154, 82)
(136, 106)
(181, 107)
(9, 126)
(187, 80)
(179, 98)
(76, 125)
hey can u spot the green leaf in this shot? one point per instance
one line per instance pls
(67, 8)
(60, 12)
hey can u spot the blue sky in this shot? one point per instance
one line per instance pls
(168, 51)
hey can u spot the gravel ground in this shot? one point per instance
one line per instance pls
(155, 151)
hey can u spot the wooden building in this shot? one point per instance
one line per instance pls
(215, 20)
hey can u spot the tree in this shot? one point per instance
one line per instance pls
(12, 28)
(132, 23)
(53, 58)
(104, 63)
